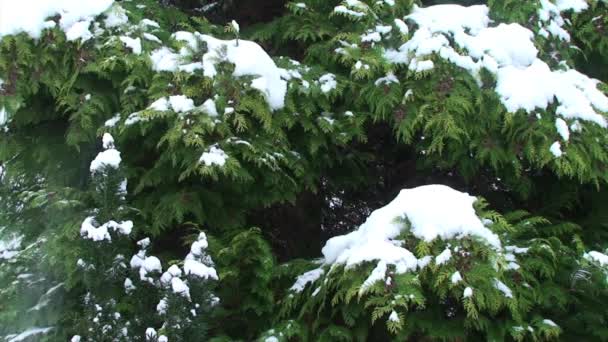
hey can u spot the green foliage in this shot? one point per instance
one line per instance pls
(498, 294)
(382, 126)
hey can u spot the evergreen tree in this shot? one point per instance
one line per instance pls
(163, 178)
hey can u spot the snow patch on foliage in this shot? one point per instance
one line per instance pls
(3, 116)
(249, 59)
(109, 158)
(306, 278)
(550, 322)
(328, 83)
(31, 17)
(10, 247)
(79, 31)
(107, 141)
(116, 16)
(556, 149)
(562, 128)
(597, 257)
(163, 59)
(524, 82)
(434, 211)
(197, 262)
(377, 274)
(26, 335)
(178, 103)
(181, 103)
(574, 5)
(210, 108)
(88, 230)
(456, 277)
(215, 156)
(443, 257)
(500, 286)
(132, 43)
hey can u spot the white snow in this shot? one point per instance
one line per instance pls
(128, 285)
(424, 261)
(210, 108)
(150, 334)
(197, 262)
(160, 105)
(109, 158)
(235, 26)
(377, 274)
(9, 248)
(306, 278)
(536, 86)
(3, 116)
(113, 121)
(89, 231)
(598, 257)
(402, 26)
(152, 38)
(556, 149)
(523, 80)
(388, 79)
(574, 5)
(199, 245)
(137, 260)
(199, 269)
(162, 306)
(456, 278)
(181, 103)
(500, 286)
(107, 141)
(451, 18)
(172, 272)
(179, 287)
(468, 292)
(443, 257)
(371, 37)
(393, 317)
(248, 58)
(549, 322)
(164, 59)
(191, 67)
(343, 10)
(434, 211)
(133, 43)
(27, 334)
(328, 82)
(562, 128)
(116, 16)
(517, 250)
(144, 243)
(79, 30)
(75, 338)
(30, 16)
(152, 264)
(149, 23)
(215, 156)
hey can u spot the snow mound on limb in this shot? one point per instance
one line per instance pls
(248, 57)
(30, 16)
(524, 82)
(434, 211)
